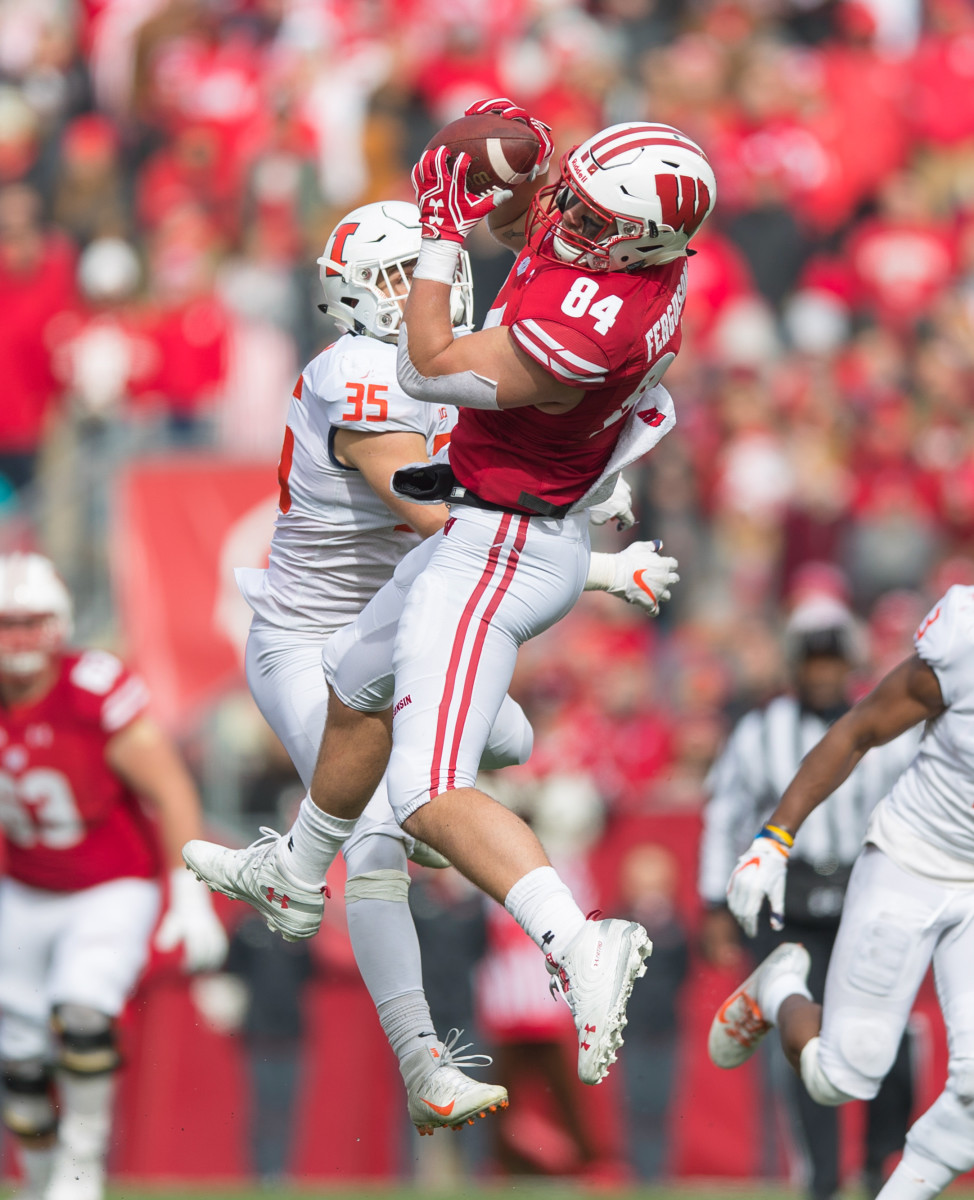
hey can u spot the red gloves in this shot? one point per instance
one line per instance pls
(446, 209)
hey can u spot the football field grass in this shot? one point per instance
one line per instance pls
(516, 1189)
(465, 1191)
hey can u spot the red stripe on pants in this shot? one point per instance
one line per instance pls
(478, 646)
(455, 654)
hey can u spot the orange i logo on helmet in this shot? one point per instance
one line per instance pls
(340, 237)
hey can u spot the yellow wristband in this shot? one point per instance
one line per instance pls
(781, 835)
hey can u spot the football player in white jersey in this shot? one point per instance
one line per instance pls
(910, 901)
(339, 535)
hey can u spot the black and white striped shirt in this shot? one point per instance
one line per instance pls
(757, 764)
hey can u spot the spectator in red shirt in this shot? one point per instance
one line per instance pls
(188, 324)
(36, 283)
(905, 257)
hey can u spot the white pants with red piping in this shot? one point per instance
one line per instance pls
(494, 581)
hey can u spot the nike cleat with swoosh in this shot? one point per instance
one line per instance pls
(739, 1025)
(440, 1095)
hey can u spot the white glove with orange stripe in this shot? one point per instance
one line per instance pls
(639, 574)
(760, 872)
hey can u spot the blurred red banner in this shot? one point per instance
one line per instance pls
(180, 528)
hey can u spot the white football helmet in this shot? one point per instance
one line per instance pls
(31, 591)
(363, 270)
(646, 190)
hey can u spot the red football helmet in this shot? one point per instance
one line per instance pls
(35, 613)
(631, 196)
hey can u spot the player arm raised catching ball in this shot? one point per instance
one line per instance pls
(489, 370)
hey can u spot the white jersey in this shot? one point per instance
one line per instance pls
(322, 570)
(926, 823)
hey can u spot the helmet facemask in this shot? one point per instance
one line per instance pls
(367, 265)
(646, 189)
(28, 642)
(35, 614)
(595, 242)
(386, 286)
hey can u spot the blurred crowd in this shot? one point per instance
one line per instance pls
(170, 170)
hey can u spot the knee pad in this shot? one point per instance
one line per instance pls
(28, 1107)
(511, 738)
(945, 1133)
(86, 1040)
(961, 1080)
(378, 885)
(817, 1084)
(425, 856)
(408, 780)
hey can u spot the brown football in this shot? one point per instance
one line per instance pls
(502, 152)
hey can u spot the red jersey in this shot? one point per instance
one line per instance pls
(69, 821)
(611, 334)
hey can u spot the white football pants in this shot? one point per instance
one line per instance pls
(287, 673)
(493, 581)
(87, 947)
(893, 925)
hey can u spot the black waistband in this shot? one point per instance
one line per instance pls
(530, 506)
(434, 483)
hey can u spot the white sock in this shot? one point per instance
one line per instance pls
(309, 848)
(407, 1023)
(776, 991)
(36, 1165)
(916, 1178)
(85, 1104)
(545, 909)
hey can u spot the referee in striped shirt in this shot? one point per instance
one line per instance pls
(822, 643)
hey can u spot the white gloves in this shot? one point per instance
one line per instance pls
(618, 507)
(190, 922)
(760, 872)
(639, 574)
(221, 1000)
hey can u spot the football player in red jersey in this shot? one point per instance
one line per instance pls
(81, 893)
(556, 397)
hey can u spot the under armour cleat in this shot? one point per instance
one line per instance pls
(292, 909)
(440, 1094)
(596, 976)
(740, 1025)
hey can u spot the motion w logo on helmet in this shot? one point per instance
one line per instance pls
(684, 201)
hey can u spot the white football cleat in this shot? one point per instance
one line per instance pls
(596, 976)
(439, 1092)
(75, 1177)
(739, 1025)
(252, 874)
